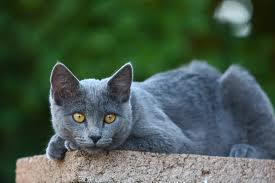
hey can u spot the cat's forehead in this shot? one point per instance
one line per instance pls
(96, 97)
(94, 89)
(93, 85)
(95, 93)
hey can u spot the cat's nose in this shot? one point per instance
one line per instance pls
(95, 138)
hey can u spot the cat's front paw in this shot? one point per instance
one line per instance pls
(247, 151)
(71, 146)
(54, 152)
(56, 149)
(240, 150)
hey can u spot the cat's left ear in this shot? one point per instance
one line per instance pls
(119, 85)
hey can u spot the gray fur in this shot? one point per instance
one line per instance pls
(192, 109)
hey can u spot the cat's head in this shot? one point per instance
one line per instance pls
(93, 114)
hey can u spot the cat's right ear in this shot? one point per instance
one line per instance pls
(64, 85)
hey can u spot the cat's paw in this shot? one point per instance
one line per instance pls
(56, 149)
(247, 151)
(55, 153)
(71, 146)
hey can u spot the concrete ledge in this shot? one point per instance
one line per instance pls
(128, 166)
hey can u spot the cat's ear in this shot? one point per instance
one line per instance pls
(64, 85)
(119, 84)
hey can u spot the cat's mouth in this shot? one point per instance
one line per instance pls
(101, 144)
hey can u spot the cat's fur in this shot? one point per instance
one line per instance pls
(192, 109)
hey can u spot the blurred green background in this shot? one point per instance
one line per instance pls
(94, 38)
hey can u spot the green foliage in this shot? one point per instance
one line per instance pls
(94, 38)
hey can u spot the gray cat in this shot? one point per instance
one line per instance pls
(192, 109)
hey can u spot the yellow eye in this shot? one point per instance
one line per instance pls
(109, 118)
(78, 117)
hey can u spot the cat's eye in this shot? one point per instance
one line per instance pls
(109, 118)
(78, 117)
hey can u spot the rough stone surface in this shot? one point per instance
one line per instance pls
(128, 166)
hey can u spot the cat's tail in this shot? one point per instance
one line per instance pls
(249, 105)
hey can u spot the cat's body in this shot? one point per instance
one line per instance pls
(193, 109)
